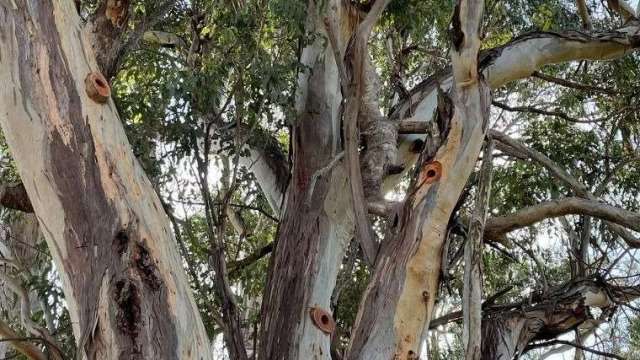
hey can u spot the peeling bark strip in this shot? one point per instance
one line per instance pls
(124, 284)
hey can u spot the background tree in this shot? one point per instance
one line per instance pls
(265, 168)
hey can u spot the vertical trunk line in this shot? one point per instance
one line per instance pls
(472, 288)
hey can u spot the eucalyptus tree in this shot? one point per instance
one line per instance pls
(331, 109)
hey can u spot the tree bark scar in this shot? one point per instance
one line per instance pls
(457, 35)
(127, 298)
(146, 267)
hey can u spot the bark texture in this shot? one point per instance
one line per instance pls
(396, 308)
(509, 330)
(317, 222)
(472, 287)
(124, 284)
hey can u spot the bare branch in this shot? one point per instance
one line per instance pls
(583, 11)
(518, 149)
(533, 110)
(497, 227)
(577, 346)
(571, 84)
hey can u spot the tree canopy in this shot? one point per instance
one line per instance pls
(206, 91)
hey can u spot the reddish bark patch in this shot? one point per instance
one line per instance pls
(431, 173)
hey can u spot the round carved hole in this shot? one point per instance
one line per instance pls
(431, 172)
(97, 87)
(322, 320)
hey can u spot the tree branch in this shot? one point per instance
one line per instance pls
(571, 84)
(20, 344)
(515, 148)
(497, 227)
(577, 346)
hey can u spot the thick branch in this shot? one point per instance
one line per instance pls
(515, 60)
(497, 227)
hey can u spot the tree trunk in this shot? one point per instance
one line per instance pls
(317, 222)
(394, 315)
(123, 278)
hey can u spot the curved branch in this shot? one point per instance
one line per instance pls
(517, 149)
(515, 60)
(497, 227)
(19, 344)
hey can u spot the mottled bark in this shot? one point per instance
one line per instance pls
(317, 221)
(124, 284)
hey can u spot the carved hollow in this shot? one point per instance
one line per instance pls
(322, 320)
(97, 87)
(431, 173)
